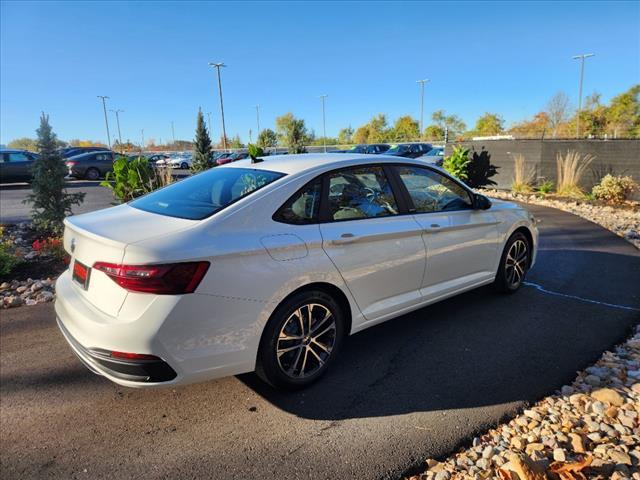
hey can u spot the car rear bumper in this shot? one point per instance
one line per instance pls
(195, 337)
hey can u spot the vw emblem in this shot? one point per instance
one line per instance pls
(73, 245)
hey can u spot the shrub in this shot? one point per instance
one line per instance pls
(523, 175)
(546, 187)
(7, 259)
(51, 246)
(614, 189)
(163, 175)
(130, 178)
(50, 201)
(457, 163)
(571, 168)
(480, 170)
(202, 159)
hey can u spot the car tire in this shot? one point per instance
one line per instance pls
(298, 361)
(514, 264)
(184, 166)
(92, 174)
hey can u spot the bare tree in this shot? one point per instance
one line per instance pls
(558, 111)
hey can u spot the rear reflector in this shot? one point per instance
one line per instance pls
(133, 356)
(165, 279)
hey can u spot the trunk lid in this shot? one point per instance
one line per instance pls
(103, 236)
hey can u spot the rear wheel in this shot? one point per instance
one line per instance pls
(301, 340)
(92, 174)
(184, 165)
(514, 263)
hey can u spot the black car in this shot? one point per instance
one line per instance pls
(91, 166)
(69, 152)
(409, 150)
(375, 148)
(15, 165)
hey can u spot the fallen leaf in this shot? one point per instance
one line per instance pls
(571, 470)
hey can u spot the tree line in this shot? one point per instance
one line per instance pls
(620, 118)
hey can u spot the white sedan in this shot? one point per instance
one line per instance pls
(182, 162)
(269, 265)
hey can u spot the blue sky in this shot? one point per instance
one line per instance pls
(151, 59)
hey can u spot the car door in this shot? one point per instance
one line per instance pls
(17, 167)
(372, 241)
(461, 241)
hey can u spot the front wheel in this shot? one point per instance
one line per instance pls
(514, 263)
(92, 174)
(300, 340)
(184, 165)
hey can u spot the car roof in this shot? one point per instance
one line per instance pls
(300, 163)
(88, 154)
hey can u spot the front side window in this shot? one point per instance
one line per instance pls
(18, 157)
(303, 207)
(433, 192)
(203, 195)
(362, 192)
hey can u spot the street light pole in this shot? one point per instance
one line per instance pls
(258, 117)
(224, 132)
(142, 144)
(118, 123)
(581, 58)
(422, 82)
(324, 126)
(106, 120)
(209, 118)
(173, 135)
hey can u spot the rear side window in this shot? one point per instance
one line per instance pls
(303, 207)
(203, 195)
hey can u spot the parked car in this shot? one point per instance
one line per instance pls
(69, 152)
(435, 156)
(92, 165)
(269, 266)
(375, 148)
(176, 160)
(232, 157)
(154, 159)
(15, 165)
(409, 150)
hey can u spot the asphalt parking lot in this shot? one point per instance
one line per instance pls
(413, 388)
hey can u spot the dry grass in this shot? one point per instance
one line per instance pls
(571, 168)
(164, 176)
(523, 175)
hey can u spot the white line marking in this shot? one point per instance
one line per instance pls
(574, 297)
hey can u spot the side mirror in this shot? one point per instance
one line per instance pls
(480, 202)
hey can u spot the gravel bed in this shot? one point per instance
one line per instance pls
(587, 430)
(623, 220)
(27, 292)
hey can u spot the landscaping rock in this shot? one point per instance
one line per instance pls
(609, 396)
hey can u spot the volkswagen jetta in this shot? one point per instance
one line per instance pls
(268, 265)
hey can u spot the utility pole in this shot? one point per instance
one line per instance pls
(258, 117)
(209, 118)
(106, 120)
(422, 82)
(173, 134)
(142, 144)
(224, 132)
(581, 58)
(324, 126)
(118, 123)
(250, 140)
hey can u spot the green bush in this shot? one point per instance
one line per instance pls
(614, 189)
(130, 178)
(546, 187)
(457, 164)
(7, 259)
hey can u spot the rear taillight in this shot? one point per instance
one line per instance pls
(165, 279)
(71, 164)
(133, 356)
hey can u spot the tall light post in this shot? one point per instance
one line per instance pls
(118, 123)
(209, 119)
(258, 118)
(581, 58)
(324, 126)
(224, 131)
(422, 82)
(142, 144)
(173, 135)
(106, 120)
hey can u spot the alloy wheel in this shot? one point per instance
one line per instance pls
(306, 340)
(516, 263)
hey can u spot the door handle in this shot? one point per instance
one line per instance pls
(345, 238)
(433, 228)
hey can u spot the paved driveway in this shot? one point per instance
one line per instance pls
(412, 388)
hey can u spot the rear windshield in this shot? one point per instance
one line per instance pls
(203, 195)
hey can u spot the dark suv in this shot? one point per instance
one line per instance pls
(15, 165)
(91, 166)
(409, 150)
(69, 152)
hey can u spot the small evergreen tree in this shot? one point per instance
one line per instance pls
(201, 147)
(51, 202)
